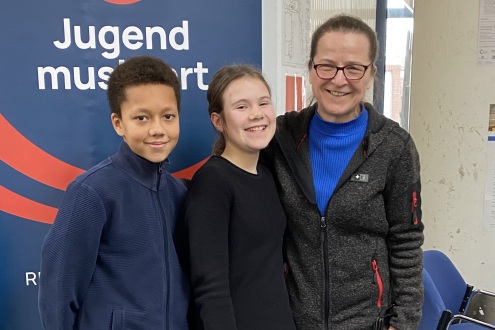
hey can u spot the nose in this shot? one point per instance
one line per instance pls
(256, 113)
(157, 128)
(339, 78)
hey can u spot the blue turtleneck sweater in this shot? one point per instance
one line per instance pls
(331, 146)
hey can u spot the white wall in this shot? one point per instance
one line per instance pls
(271, 49)
(276, 17)
(450, 98)
(287, 27)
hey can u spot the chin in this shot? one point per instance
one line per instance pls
(259, 146)
(156, 159)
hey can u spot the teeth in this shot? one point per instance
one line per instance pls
(337, 93)
(257, 128)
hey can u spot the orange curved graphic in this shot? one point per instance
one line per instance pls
(122, 2)
(27, 158)
(189, 172)
(23, 207)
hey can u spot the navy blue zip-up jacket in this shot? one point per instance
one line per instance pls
(111, 258)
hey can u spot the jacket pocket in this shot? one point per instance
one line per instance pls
(117, 319)
(377, 279)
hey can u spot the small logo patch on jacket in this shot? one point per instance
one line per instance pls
(360, 177)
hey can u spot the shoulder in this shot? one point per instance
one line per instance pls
(385, 127)
(214, 172)
(264, 171)
(180, 183)
(176, 187)
(97, 173)
(214, 166)
(105, 180)
(88, 185)
(295, 118)
(399, 137)
(211, 181)
(85, 200)
(292, 127)
(185, 182)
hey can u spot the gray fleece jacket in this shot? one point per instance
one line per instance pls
(364, 254)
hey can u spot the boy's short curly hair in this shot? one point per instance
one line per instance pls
(139, 70)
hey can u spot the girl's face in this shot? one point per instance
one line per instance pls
(248, 118)
(339, 98)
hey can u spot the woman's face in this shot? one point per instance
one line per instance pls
(339, 98)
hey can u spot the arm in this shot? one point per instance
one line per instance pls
(403, 207)
(68, 256)
(207, 217)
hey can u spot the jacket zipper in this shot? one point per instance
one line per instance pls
(378, 280)
(165, 247)
(324, 238)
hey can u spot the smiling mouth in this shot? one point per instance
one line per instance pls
(156, 144)
(256, 128)
(335, 93)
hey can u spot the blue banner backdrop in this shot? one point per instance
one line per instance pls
(54, 118)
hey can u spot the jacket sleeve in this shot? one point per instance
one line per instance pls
(68, 256)
(207, 218)
(403, 207)
(267, 154)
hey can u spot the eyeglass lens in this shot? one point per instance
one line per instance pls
(350, 71)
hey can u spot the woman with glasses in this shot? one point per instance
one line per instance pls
(349, 182)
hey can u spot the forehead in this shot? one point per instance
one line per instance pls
(150, 91)
(149, 97)
(245, 88)
(343, 46)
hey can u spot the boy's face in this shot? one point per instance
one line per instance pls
(149, 121)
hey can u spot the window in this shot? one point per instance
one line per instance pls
(398, 61)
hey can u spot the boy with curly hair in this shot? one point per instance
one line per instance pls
(112, 258)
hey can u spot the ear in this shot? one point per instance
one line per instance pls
(373, 71)
(217, 122)
(312, 76)
(117, 124)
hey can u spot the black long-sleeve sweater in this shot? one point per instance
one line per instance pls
(236, 226)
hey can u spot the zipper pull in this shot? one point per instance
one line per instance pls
(414, 206)
(364, 145)
(374, 266)
(378, 280)
(323, 224)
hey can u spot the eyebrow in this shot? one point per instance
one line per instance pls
(148, 111)
(332, 62)
(264, 97)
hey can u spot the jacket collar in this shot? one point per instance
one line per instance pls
(147, 173)
(299, 131)
(295, 128)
